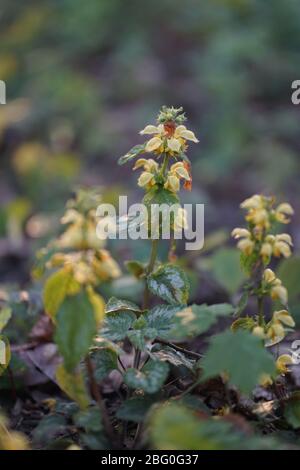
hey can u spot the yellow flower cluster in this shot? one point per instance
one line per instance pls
(87, 268)
(282, 364)
(168, 138)
(261, 215)
(274, 285)
(147, 179)
(274, 331)
(152, 174)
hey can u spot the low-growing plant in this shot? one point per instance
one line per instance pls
(155, 404)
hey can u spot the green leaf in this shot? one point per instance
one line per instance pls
(76, 327)
(5, 316)
(150, 378)
(176, 427)
(57, 287)
(135, 409)
(226, 269)
(90, 420)
(292, 410)
(116, 325)
(115, 305)
(134, 152)
(241, 355)
(49, 427)
(161, 318)
(135, 268)
(170, 283)
(243, 323)
(73, 385)
(159, 195)
(197, 319)
(5, 353)
(105, 360)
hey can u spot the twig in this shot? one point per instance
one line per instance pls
(179, 348)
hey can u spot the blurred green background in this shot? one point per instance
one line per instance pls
(84, 77)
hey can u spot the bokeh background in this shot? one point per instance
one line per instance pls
(84, 76)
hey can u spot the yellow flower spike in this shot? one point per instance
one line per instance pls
(283, 211)
(240, 233)
(259, 332)
(269, 276)
(153, 144)
(284, 317)
(282, 362)
(146, 178)
(172, 183)
(281, 248)
(279, 292)
(246, 246)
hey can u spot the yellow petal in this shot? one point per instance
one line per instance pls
(246, 246)
(153, 144)
(279, 293)
(259, 332)
(240, 233)
(253, 202)
(281, 248)
(282, 362)
(285, 208)
(266, 249)
(182, 173)
(284, 317)
(186, 134)
(145, 179)
(172, 183)
(284, 237)
(149, 130)
(174, 145)
(151, 165)
(141, 162)
(269, 276)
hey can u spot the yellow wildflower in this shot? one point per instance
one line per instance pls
(147, 178)
(269, 276)
(168, 138)
(282, 362)
(246, 246)
(176, 172)
(279, 292)
(284, 317)
(282, 213)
